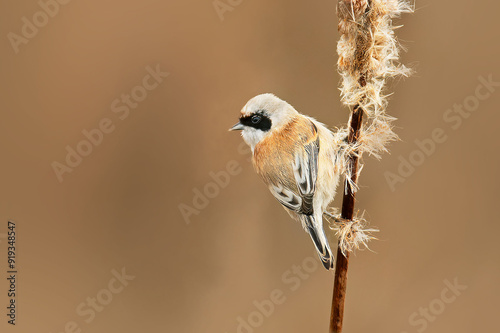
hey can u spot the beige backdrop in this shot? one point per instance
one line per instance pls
(117, 210)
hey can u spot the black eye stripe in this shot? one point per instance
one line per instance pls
(264, 124)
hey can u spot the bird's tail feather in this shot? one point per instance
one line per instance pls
(319, 239)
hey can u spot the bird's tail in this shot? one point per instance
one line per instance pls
(319, 239)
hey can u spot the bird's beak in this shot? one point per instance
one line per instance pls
(237, 127)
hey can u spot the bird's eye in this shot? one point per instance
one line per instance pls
(256, 119)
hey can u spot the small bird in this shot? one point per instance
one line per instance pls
(297, 158)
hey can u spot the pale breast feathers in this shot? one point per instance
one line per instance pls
(287, 161)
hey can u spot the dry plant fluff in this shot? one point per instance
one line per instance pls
(352, 234)
(368, 55)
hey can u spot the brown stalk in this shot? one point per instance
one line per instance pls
(368, 54)
(349, 198)
(342, 264)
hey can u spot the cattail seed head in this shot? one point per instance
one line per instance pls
(368, 55)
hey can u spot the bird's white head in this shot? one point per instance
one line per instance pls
(261, 115)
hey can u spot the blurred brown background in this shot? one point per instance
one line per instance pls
(120, 206)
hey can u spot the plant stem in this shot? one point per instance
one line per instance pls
(368, 54)
(342, 264)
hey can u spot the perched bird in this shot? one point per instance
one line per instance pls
(297, 158)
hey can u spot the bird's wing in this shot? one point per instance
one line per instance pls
(305, 170)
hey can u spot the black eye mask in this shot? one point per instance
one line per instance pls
(257, 121)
